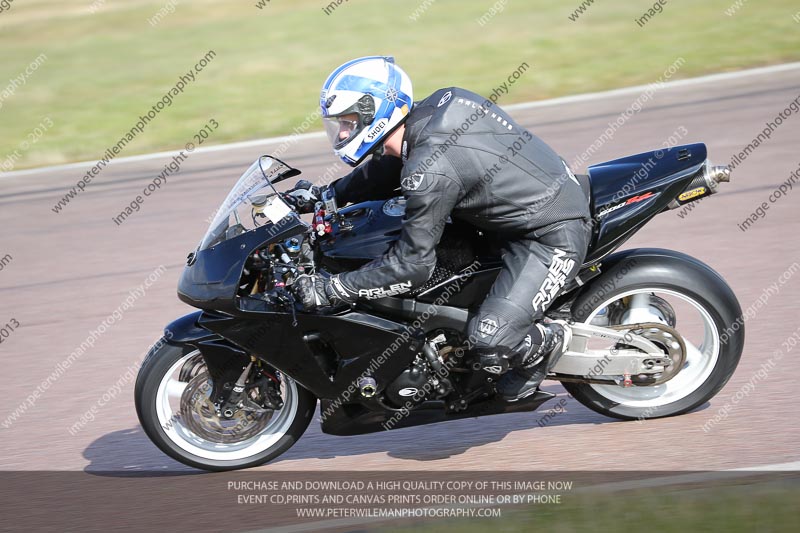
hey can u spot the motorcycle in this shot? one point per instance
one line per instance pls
(236, 383)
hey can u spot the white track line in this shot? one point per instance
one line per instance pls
(711, 78)
(660, 481)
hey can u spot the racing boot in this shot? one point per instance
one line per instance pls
(493, 360)
(523, 381)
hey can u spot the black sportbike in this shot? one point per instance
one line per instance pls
(236, 384)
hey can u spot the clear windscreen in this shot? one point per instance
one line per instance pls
(253, 202)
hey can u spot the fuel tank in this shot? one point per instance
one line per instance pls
(368, 231)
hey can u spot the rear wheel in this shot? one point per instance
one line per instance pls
(685, 295)
(173, 402)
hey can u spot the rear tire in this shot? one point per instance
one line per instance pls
(664, 271)
(175, 439)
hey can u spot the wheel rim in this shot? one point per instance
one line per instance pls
(701, 358)
(203, 440)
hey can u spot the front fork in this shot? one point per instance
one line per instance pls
(233, 374)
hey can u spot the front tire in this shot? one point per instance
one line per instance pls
(710, 362)
(164, 377)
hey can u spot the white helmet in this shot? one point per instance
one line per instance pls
(362, 102)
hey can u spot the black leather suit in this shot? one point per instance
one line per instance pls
(465, 157)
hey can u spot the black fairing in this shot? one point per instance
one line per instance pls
(211, 277)
(353, 419)
(185, 330)
(668, 172)
(324, 353)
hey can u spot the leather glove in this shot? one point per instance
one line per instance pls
(318, 291)
(304, 196)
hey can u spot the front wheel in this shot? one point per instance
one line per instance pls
(680, 292)
(173, 403)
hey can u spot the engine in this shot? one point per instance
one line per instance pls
(414, 385)
(429, 377)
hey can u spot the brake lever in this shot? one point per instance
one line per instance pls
(288, 300)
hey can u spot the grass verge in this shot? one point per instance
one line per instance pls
(107, 63)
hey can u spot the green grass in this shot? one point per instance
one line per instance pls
(104, 69)
(763, 506)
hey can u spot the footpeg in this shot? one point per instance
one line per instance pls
(626, 380)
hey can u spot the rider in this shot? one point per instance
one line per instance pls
(455, 154)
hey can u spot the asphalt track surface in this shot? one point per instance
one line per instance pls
(71, 270)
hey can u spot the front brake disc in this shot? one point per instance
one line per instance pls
(199, 415)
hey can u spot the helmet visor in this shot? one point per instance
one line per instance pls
(341, 129)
